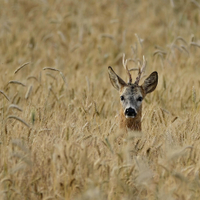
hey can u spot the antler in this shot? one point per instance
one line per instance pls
(140, 70)
(124, 62)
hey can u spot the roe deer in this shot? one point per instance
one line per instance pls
(132, 95)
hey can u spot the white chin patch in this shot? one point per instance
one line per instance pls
(129, 117)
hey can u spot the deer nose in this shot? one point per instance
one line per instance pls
(130, 112)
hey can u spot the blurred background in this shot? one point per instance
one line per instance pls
(83, 38)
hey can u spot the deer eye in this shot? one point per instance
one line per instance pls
(139, 99)
(122, 98)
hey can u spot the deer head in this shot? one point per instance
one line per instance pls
(132, 94)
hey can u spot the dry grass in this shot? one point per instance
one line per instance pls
(59, 136)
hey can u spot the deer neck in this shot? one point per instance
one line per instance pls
(131, 123)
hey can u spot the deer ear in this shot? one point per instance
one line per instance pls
(116, 81)
(150, 83)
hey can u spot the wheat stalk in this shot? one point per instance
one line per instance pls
(17, 82)
(15, 107)
(19, 119)
(22, 66)
(61, 74)
(51, 68)
(194, 44)
(28, 92)
(4, 95)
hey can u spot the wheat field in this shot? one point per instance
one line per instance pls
(60, 137)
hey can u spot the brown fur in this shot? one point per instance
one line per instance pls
(130, 95)
(131, 123)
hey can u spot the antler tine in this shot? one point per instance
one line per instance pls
(124, 62)
(140, 70)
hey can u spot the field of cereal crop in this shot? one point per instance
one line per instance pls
(59, 136)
